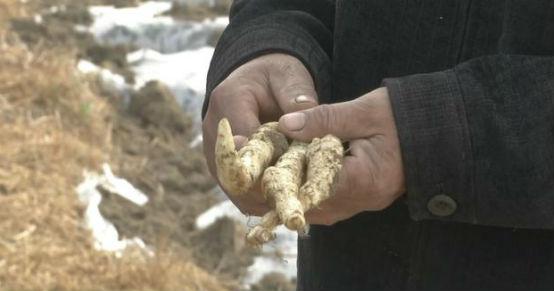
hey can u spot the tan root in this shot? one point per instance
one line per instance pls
(239, 171)
(324, 159)
(281, 182)
(263, 232)
(324, 164)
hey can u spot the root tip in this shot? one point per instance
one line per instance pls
(259, 236)
(296, 223)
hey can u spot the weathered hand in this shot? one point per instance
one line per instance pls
(372, 176)
(257, 92)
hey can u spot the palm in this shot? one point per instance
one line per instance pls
(259, 91)
(372, 175)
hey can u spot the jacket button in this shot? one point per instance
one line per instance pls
(442, 205)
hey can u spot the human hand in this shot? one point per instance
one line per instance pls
(257, 92)
(372, 176)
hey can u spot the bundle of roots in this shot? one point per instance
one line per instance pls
(295, 177)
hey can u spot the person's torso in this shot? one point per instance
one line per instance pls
(387, 250)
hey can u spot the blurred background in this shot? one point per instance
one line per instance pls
(103, 185)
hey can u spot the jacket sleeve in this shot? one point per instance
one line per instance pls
(302, 28)
(478, 141)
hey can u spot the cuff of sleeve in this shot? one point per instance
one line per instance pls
(433, 132)
(268, 38)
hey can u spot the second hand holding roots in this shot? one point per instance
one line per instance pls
(285, 186)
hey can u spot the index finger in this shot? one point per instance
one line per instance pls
(240, 112)
(238, 106)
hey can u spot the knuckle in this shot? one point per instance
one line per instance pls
(247, 89)
(223, 95)
(298, 87)
(286, 68)
(326, 117)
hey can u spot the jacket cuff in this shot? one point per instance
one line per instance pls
(434, 138)
(269, 38)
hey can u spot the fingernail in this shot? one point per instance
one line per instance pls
(294, 121)
(302, 99)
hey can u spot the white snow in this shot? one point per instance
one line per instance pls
(37, 18)
(264, 265)
(197, 141)
(144, 27)
(109, 81)
(56, 9)
(186, 69)
(106, 237)
(183, 72)
(223, 209)
(108, 17)
(122, 187)
(175, 53)
(286, 245)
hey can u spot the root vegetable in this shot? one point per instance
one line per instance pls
(239, 171)
(281, 182)
(324, 159)
(263, 232)
(324, 163)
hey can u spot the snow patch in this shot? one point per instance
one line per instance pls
(108, 17)
(197, 141)
(106, 237)
(176, 53)
(109, 81)
(37, 18)
(183, 69)
(143, 27)
(183, 72)
(121, 187)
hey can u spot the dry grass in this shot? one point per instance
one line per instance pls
(52, 127)
(10, 9)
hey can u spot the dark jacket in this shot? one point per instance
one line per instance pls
(472, 89)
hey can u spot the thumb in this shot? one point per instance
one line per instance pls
(346, 120)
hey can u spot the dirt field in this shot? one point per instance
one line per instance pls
(55, 123)
(53, 126)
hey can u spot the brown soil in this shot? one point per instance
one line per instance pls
(221, 248)
(52, 127)
(57, 30)
(146, 142)
(152, 136)
(274, 282)
(152, 153)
